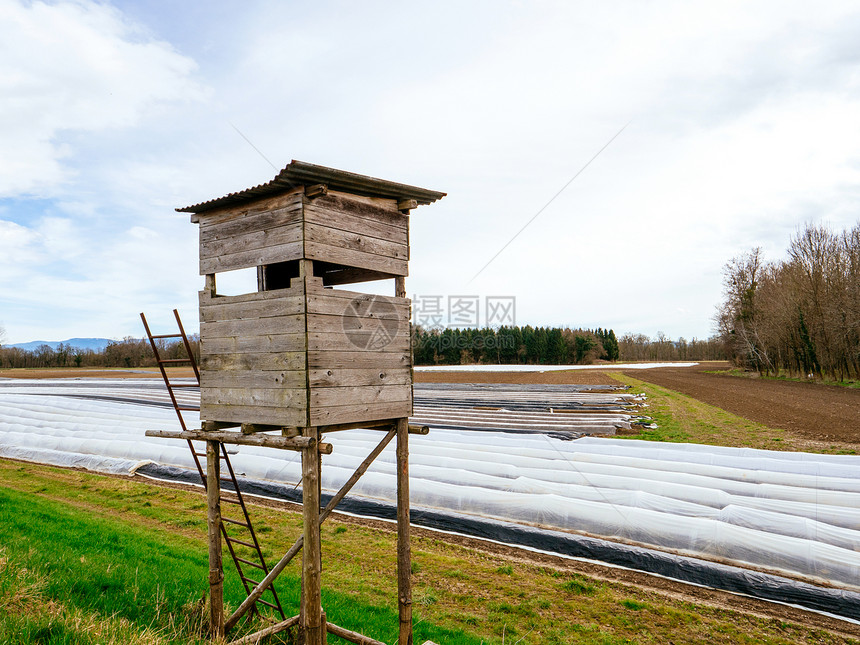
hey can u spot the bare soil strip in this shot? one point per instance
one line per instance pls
(807, 410)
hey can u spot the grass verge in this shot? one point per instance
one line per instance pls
(94, 559)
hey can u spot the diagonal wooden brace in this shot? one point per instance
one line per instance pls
(297, 546)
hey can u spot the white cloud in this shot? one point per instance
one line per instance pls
(75, 66)
(743, 127)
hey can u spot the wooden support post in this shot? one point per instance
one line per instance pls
(400, 287)
(216, 570)
(312, 627)
(209, 286)
(306, 268)
(404, 549)
(289, 555)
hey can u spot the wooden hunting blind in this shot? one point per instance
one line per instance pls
(302, 356)
(297, 353)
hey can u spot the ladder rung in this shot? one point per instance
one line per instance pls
(248, 562)
(185, 408)
(242, 542)
(167, 336)
(236, 522)
(230, 501)
(266, 602)
(253, 582)
(174, 360)
(183, 385)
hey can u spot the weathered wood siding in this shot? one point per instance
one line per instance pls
(262, 232)
(305, 355)
(253, 358)
(264, 360)
(357, 232)
(352, 380)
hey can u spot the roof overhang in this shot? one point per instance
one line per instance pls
(299, 173)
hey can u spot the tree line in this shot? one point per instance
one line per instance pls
(129, 352)
(800, 315)
(512, 345)
(553, 346)
(639, 347)
(503, 346)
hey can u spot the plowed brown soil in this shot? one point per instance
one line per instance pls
(808, 410)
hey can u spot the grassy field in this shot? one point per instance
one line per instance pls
(93, 559)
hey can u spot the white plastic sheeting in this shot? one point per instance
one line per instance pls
(794, 513)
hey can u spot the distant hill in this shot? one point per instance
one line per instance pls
(96, 344)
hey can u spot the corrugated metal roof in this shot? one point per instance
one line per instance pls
(299, 173)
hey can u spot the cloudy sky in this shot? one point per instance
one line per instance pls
(742, 123)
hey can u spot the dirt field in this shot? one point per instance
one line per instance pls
(808, 410)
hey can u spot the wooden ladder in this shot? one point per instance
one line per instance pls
(251, 543)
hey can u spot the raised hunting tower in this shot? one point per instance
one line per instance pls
(296, 353)
(299, 357)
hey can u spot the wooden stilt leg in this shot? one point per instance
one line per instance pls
(314, 633)
(216, 570)
(404, 550)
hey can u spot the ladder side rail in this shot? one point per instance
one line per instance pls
(255, 545)
(163, 372)
(251, 530)
(187, 347)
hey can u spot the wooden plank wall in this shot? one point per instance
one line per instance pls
(262, 232)
(358, 232)
(305, 355)
(254, 367)
(253, 358)
(351, 382)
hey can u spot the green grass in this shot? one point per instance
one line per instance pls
(92, 559)
(81, 565)
(151, 584)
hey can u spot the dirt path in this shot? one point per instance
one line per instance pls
(807, 410)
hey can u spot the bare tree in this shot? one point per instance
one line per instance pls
(802, 314)
(738, 318)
